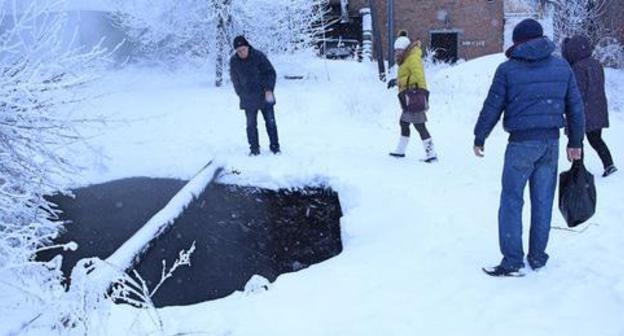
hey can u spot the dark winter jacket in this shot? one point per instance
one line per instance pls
(252, 77)
(590, 79)
(537, 91)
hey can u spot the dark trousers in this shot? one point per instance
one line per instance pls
(595, 140)
(252, 128)
(421, 128)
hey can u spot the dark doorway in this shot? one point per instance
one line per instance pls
(445, 46)
(238, 232)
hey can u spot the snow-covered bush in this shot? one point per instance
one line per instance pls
(432, 64)
(97, 284)
(41, 74)
(610, 52)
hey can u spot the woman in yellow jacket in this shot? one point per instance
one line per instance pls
(411, 75)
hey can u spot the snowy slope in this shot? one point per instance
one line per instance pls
(415, 235)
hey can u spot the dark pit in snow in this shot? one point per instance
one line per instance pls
(239, 232)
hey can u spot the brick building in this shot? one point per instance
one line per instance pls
(458, 28)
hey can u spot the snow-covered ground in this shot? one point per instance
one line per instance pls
(415, 235)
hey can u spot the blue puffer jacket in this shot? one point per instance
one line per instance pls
(538, 93)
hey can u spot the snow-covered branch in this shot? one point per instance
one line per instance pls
(42, 75)
(574, 17)
(589, 18)
(184, 259)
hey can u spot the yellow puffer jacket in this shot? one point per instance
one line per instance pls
(411, 71)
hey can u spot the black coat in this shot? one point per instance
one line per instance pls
(590, 78)
(252, 77)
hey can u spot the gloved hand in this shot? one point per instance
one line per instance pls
(392, 83)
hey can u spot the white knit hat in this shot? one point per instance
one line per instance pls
(402, 42)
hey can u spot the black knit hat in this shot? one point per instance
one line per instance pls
(240, 41)
(527, 29)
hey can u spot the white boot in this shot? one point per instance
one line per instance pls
(399, 152)
(430, 154)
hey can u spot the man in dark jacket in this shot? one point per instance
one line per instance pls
(253, 77)
(591, 82)
(538, 93)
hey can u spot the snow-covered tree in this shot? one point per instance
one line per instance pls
(203, 29)
(41, 73)
(573, 17)
(587, 17)
(610, 52)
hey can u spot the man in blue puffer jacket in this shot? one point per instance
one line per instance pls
(538, 94)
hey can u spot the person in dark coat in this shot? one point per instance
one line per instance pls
(253, 77)
(591, 82)
(537, 93)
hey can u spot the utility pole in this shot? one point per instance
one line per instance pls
(377, 43)
(390, 12)
(367, 34)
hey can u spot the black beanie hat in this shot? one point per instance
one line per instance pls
(240, 41)
(527, 29)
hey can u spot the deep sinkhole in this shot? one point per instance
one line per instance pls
(238, 232)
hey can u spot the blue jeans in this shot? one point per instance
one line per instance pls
(271, 127)
(535, 162)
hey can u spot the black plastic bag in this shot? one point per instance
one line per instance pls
(577, 194)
